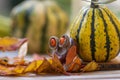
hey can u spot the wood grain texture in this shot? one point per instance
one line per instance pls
(111, 65)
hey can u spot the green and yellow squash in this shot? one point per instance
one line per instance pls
(38, 20)
(4, 26)
(97, 32)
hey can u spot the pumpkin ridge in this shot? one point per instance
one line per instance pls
(58, 21)
(44, 30)
(14, 28)
(114, 17)
(78, 31)
(92, 36)
(115, 25)
(113, 22)
(107, 36)
(100, 38)
(75, 20)
(27, 21)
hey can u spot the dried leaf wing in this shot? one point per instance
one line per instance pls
(75, 65)
(71, 55)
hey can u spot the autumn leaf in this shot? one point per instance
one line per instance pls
(92, 66)
(45, 67)
(10, 44)
(7, 41)
(57, 66)
(19, 69)
(38, 63)
(30, 67)
(6, 71)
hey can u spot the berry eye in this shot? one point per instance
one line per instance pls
(53, 42)
(64, 41)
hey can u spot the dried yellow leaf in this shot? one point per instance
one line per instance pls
(50, 61)
(4, 70)
(30, 67)
(19, 69)
(7, 41)
(56, 64)
(45, 67)
(92, 66)
(38, 63)
(10, 43)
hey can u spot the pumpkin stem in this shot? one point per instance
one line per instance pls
(94, 5)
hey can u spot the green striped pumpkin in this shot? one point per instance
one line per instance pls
(38, 20)
(97, 32)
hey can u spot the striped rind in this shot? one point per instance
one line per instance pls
(42, 21)
(26, 20)
(97, 34)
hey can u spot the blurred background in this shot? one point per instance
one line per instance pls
(70, 6)
(20, 19)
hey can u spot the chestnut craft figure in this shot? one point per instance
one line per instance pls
(61, 46)
(97, 32)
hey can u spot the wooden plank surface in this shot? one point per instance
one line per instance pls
(91, 75)
(111, 65)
